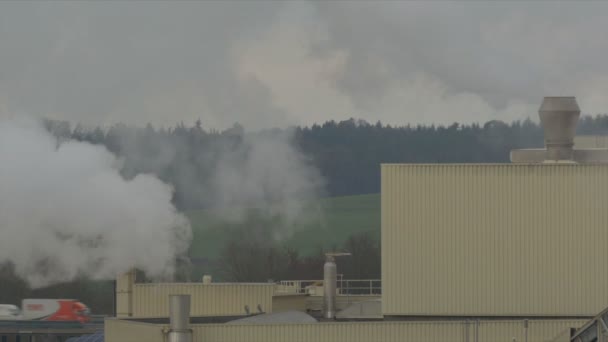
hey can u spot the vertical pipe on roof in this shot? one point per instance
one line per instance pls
(330, 279)
(179, 319)
(559, 116)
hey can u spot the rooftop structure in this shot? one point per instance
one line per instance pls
(559, 116)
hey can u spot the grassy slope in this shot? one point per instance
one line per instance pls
(343, 216)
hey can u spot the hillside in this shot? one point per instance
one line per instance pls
(342, 216)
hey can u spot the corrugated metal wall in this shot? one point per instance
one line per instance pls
(545, 330)
(431, 331)
(591, 141)
(315, 303)
(496, 240)
(152, 300)
(126, 331)
(456, 331)
(124, 290)
(331, 332)
(289, 302)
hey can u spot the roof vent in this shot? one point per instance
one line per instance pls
(559, 116)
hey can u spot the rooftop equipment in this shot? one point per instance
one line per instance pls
(330, 284)
(559, 116)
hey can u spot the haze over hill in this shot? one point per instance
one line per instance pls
(269, 63)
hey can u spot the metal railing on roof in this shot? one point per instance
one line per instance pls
(345, 287)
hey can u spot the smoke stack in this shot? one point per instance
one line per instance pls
(330, 279)
(330, 284)
(559, 116)
(179, 319)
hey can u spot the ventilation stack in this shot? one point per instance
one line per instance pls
(559, 116)
(179, 319)
(330, 284)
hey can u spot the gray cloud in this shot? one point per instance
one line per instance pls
(131, 61)
(501, 52)
(272, 64)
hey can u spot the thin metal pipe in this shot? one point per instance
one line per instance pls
(179, 319)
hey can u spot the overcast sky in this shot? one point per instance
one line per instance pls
(280, 63)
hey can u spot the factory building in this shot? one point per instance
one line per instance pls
(470, 253)
(515, 240)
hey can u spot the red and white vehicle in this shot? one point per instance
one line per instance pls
(55, 310)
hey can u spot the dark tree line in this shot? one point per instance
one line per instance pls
(347, 153)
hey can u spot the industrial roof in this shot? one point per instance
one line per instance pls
(279, 317)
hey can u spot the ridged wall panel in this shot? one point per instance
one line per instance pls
(494, 239)
(125, 331)
(426, 331)
(152, 300)
(330, 332)
(591, 141)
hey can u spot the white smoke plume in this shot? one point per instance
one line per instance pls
(65, 211)
(267, 173)
(233, 174)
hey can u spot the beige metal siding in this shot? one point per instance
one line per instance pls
(454, 331)
(315, 303)
(289, 302)
(125, 331)
(542, 331)
(554, 331)
(124, 290)
(494, 240)
(432, 331)
(151, 300)
(591, 141)
(331, 332)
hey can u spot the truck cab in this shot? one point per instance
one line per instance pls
(9, 312)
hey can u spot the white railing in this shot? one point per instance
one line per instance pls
(345, 287)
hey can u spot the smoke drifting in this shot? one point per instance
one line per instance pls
(231, 174)
(267, 173)
(66, 211)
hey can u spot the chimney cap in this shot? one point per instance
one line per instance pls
(559, 104)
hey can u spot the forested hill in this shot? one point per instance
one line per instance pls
(347, 153)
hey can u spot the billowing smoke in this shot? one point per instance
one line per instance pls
(268, 174)
(66, 211)
(230, 175)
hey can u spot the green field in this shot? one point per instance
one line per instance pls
(340, 218)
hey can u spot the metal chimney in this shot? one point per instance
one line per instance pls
(179, 319)
(330, 284)
(559, 116)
